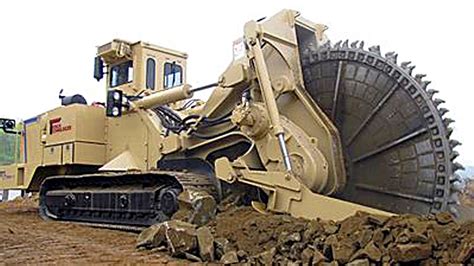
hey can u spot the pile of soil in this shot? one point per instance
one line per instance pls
(26, 203)
(362, 238)
(242, 235)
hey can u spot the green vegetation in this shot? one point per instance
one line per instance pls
(9, 147)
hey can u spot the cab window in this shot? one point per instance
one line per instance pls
(150, 73)
(173, 75)
(121, 73)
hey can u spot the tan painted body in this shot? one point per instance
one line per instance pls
(84, 138)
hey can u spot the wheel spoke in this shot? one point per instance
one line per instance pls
(372, 114)
(390, 145)
(336, 91)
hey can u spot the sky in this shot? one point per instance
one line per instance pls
(50, 45)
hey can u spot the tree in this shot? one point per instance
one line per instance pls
(9, 147)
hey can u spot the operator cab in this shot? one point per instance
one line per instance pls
(139, 68)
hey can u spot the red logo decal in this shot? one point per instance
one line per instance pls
(55, 126)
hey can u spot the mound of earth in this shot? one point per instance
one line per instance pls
(242, 235)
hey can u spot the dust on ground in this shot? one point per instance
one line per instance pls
(27, 239)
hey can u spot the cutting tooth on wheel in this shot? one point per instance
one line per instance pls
(447, 121)
(405, 65)
(431, 92)
(378, 139)
(391, 57)
(454, 155)
(458, 166)
(438, 101)
(449, 132)
(375, 49)
(425, 83)
(443, 111)
(454, 143)
(345, 44)
(354, 44)
(419, 77)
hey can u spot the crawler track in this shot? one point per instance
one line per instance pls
(125, 201)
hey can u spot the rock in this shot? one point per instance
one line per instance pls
(370, 251)
(151, 237)
(286, 237)
(444, 218)
(221, 246)
(429, 262)
(205, 243)
(266, 257)
(318, 257)
(410, 252)
(404, 237)
(331, 240)
(307, 255)
(330, 228)
(192, 257)
(196, 207)
(295, 251)
(310, 255)
(264, 237)
(465, 251)
(361, 237)
(230, 258)
(313, 228)
(378, 237)
(242, 254)
(378, 220)
(180, 236)
(332, 263)
(442, 234)
(342, 251)
(352, 224)
(361, 262)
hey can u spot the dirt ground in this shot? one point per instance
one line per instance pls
(26, 238)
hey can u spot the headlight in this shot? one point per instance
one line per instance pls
(117, 95)
(114, 103)
(115, 111)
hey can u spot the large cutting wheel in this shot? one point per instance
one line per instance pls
(398, 154)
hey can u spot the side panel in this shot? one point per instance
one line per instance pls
(127, 133)
(8, 177)
(68, 135)
(52, 155)
(88, 153)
